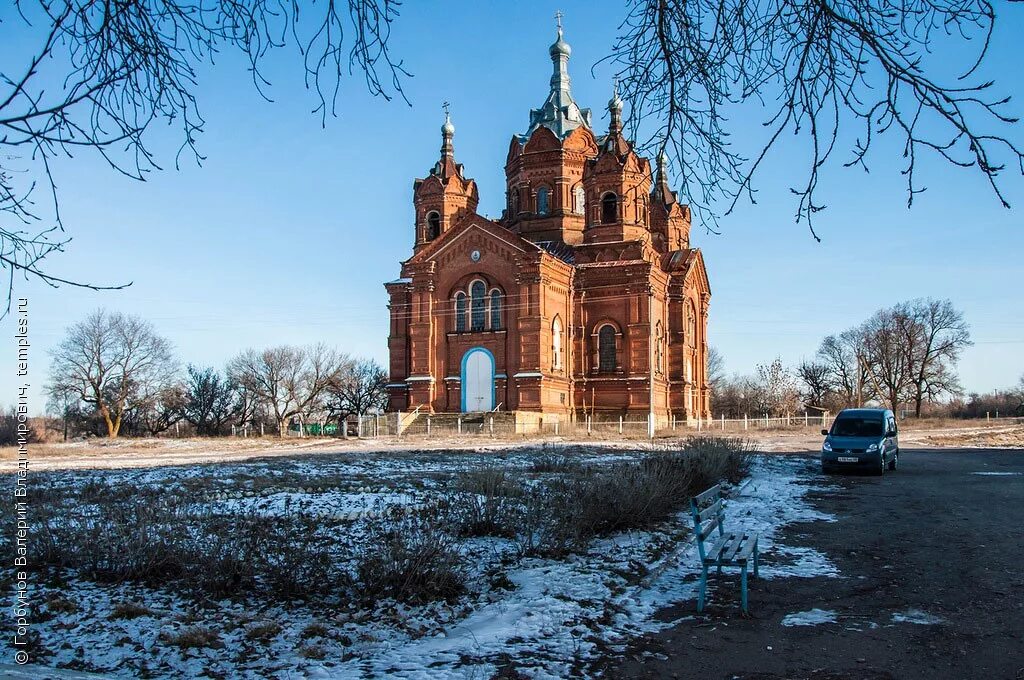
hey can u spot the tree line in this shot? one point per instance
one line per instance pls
(113, 374)
(904, 356)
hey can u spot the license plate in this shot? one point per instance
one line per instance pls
(849, 459)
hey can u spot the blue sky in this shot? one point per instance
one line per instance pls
(288, 230)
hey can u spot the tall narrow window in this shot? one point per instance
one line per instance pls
(556, 344)
(495, 309)
(477, 306)
(609, 208)
(579, 201)
(433, 225)
(460, 312)
(543, 201)
(659, 349)
(607, 361)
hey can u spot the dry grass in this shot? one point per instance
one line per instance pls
(263, 631)
(130, 610)
(194, 637)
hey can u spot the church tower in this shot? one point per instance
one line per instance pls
(670, 219)
(445, 195)
(616, 185)
(544, 169)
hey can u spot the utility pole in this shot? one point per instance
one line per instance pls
(650, 360)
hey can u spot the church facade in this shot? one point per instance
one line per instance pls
(586, 297)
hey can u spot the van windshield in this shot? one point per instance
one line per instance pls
(857, 426)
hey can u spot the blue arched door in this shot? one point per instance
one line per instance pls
(477, 381)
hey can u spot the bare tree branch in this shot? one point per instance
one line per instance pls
(818, 68)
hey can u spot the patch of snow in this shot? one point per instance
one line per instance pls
(999, 474)
(811, 617)
(917, 616)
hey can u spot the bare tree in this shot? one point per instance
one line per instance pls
(288, 381)
(825, 70)
(778, 392)
(890, 370)
(111, 362)
(939, 335)
(358, 389)
(102, 72)
(817, 382)
(715, 367)
(843, 356)
(157, 409)
(211, 402)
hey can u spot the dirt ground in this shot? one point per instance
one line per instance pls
(937, 542)
(100, 453)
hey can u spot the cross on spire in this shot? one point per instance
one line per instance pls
(558, 18)
(445, 106)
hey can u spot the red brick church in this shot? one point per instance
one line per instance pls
(584, 298)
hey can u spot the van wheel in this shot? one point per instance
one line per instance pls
(895, 460)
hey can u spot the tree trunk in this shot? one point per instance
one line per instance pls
(112, 428)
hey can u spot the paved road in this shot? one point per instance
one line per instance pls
(934, 539)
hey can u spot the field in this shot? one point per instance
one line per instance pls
(397, 563)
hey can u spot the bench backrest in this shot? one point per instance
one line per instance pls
(708, 515)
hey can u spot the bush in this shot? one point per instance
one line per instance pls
(562, 515)
(158, 539)
(414, 559)
(551, 463)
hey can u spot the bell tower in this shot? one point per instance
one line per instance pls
(544, 168)
(445, 195)
(616, 183)
(670, 219)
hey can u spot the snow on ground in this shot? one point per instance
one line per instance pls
(811, 617)
(551, 616)
(917, 616)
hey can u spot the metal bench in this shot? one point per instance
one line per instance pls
(726, 549)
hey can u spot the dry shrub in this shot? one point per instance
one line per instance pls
(488, 481)
(413, 559)
(194, 637)
(130, 610)
(159, 539)
(548, 463)
(563, 514)
(263, 631)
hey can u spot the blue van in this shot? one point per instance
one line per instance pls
(861, 439)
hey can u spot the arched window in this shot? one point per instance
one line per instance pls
(579, 201)
(556, 344)
(659, 349)
(433, 225)
(543, 201)
(477, 306)
(607, 360)
(609, 208)
(691, 325)
(513, 202)
(460, 312)
(495, 309)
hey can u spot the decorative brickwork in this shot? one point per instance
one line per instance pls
(584, 298)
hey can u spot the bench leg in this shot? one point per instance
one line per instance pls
(703, 590)
(743, 588)
(756, 575)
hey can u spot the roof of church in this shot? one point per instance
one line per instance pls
(562, 251)
(560, 112)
